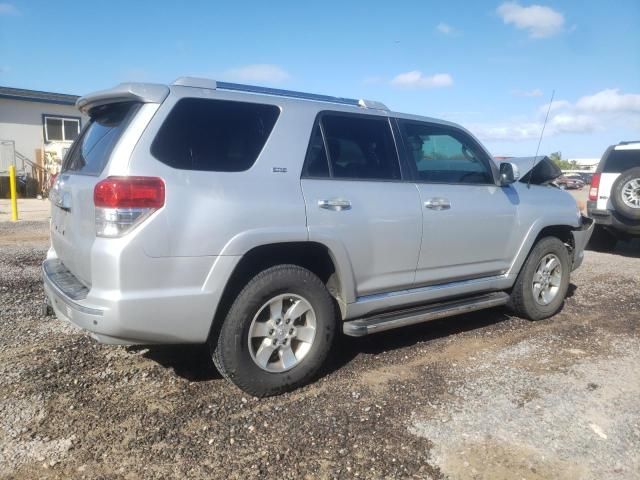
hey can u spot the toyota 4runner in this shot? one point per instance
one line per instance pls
(264, 222)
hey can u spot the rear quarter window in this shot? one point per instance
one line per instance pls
(214, 135)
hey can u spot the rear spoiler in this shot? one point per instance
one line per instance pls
(125, 92)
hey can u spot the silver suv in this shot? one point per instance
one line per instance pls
(263, 222)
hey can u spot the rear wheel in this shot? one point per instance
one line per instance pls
(543, 281)
(277, 333)
(625, 194)
(602, 240)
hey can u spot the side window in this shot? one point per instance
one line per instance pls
(620, 160)
(214, 135)
(444, 155)
(360, 147)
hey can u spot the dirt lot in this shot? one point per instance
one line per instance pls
(478, 396)
(30, 209)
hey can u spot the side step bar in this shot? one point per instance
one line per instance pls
(387, 321)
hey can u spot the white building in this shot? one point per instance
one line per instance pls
(585, 164)
(36, 130)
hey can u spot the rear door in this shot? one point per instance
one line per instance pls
(73, 228)
(357, 202)
(468, 221)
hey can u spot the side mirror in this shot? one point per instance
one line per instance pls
(509, 173)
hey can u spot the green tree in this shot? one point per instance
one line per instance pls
(556, 157)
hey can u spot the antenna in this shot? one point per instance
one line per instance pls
(540, 139)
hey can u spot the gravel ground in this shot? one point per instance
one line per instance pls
(484, 395)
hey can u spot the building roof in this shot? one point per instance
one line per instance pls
(37, 96)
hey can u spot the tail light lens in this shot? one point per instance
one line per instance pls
(124, 202)
(595, 184)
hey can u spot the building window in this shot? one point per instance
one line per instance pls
(61, 129)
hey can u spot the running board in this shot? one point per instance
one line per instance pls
(424, 313)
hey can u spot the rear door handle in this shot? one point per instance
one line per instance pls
(438, 203)
(336, 205)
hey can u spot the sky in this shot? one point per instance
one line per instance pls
(489, 65)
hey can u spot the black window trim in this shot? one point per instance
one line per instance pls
(404, 177)
(412, 167)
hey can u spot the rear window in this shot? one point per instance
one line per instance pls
(214, 135)
(91, 151)
(619, 161)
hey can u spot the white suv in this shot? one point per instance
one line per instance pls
(614, 197)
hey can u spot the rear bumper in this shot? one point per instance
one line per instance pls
(581, 237)
(612, 221)
(139, 316)
(67, 296)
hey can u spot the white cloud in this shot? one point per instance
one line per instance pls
(610, 100)
(8, 9)
(446, 29)
(536, 92)
(515, 130)
(259, 73)
(512, 130)
(555, 106)
(571, 123)
(415, 79)
(605, 110)
(539, 21)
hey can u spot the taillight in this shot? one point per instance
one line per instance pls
(124, 202)
(595, 184)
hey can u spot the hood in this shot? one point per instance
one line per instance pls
(541, 169)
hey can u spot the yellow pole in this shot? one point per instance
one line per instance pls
(14, 196)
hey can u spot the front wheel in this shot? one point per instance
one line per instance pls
(277, 333)
(543, 281)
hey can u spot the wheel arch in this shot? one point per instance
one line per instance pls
(561, 231)
(314, 256)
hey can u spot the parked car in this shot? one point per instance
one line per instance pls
(569, 183)
(585, 177)
(264, 222)
(614, 197)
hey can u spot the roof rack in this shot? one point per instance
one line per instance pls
(627, 142)
(238, 87)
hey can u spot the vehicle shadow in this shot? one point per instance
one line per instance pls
(193, 362)
(628, 248)
(347, 349)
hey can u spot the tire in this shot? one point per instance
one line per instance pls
(602, 240)
(523, 301)
(249, 334)
(625, 194)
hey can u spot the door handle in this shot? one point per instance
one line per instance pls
(438, 203)
(336, 205)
